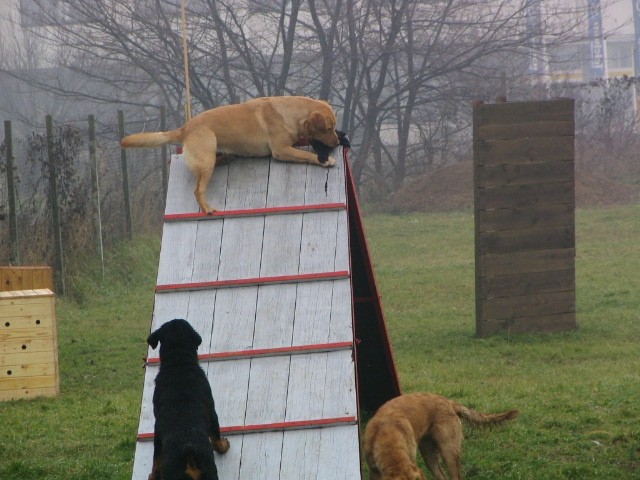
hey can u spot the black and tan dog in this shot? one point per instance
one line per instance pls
(420, 421)
(186, 429)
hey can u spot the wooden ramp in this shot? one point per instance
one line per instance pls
(267, 284)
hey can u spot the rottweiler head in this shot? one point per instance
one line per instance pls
(176, 333)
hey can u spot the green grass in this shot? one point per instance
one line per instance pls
(89, 430)
(577, 392)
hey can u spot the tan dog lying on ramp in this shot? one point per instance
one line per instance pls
(257, 128)
(420, 421)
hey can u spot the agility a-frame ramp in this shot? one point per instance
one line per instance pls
(279, 285)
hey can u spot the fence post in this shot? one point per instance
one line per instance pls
(55, 211)
(125, 176)
(11, 190)
(95, 191)
(163, 153)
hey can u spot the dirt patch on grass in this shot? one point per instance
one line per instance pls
(451, 188)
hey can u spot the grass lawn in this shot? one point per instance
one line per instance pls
(577, 392)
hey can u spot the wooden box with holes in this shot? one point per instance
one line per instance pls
(28, 344)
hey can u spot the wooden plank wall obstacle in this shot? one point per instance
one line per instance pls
(524, 205)
(28, 345)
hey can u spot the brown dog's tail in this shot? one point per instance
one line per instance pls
(482, 419)
(152, 139)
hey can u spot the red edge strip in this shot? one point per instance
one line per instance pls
(267, 352)
(172, 217)
(242, 282)
(270, 427)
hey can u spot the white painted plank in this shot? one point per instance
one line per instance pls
(326, 185)
(180, 198)
(341, 382)
(300, 454)
(342, 242)
(200, 315)
(261, 456)
(312, 377)
(275, 316)
(241, 249)
(306, 387)
(281, 245)
(267, 395)
(247, 183)
(234, 319)
(143, 461)
(229, 381)
(167, 306)
(318, 244)
(339, 458)
(313, 311)
(147, 420)
(177, 252)
(196, 307)
(206, 255)
(341, 323)
(321, 454)
(286, 184)
(228, 465)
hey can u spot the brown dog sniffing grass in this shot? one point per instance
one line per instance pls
(257, 128)
(420, 421)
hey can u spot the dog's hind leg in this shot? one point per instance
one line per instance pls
(431, 455)
(200, 155)
(448, 438)
(157, 459)
(218, 442)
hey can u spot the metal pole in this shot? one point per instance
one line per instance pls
(95, 191)
(55, 211)
(125, 176)
(11, 188)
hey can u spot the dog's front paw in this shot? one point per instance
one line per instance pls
(328, 162)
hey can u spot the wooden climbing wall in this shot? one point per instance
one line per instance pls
(524, 191)
(266, 283)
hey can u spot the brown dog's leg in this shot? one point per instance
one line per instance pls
(200, 155)
(431, 455)
(448, 437)
(290, 154)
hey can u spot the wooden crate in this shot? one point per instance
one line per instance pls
(25, 278)
(28, 345)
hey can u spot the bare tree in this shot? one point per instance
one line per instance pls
(400, 72)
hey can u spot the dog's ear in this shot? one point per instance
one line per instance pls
(154, 338)
(196, 339)
(316, 122)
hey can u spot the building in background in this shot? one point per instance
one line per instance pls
(607, 47)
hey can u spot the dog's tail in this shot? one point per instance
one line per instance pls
(482, 419)
(153, 139)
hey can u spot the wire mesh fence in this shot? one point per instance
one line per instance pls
(92, 210)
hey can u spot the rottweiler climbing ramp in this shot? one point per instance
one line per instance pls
(269, 284)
